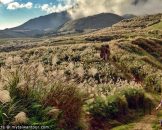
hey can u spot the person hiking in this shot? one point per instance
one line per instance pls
(157, 108)
(105, 52)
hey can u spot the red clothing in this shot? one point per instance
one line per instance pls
(105, 53)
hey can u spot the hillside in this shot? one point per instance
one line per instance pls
(91, 23)
(157, 26)
(38, 26)
(60, 23)
(142, 22)
(72, 87)
(128, 16)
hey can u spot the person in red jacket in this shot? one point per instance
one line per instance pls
(105, 52)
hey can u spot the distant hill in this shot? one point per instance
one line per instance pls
(128, 16)
(90, 23)
(60, 23)
(38, 26)
(140, 22)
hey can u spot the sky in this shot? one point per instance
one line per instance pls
(16, 12)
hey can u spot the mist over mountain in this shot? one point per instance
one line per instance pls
(38, 26)
(91, 23)
(86, 8)
(61, 23)
(46, 23)
(84, 15)
(128, 16)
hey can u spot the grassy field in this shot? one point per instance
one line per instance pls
(63, 83)
(157, 26)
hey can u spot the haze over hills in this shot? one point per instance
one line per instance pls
(49, 22)
(38, 26)
(62, 23)
(91, 23)
(129, 16)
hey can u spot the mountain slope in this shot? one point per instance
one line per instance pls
(128, 16)
(38, 26)
(119, 91)
(91, 23)
(140, 22)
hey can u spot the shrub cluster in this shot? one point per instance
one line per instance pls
(113, 106)
(60, 107)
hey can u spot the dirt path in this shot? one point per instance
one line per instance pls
(145, 123)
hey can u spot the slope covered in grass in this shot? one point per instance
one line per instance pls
(63, 82)
(157, 26)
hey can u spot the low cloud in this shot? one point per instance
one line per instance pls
(138, 7)
(83, 8)
(6, 1)
(53, 8)
(16, 5)
(64, 5)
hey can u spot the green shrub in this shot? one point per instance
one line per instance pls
(8, 111)
(108, 108)
(76, 58)
(47, 59)
(153, 83)
(114, 106)
(28, 101)
(2, 63)
(38, 116)
(132, 49)
(134, 97)
(69, 100)
(97, 108)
